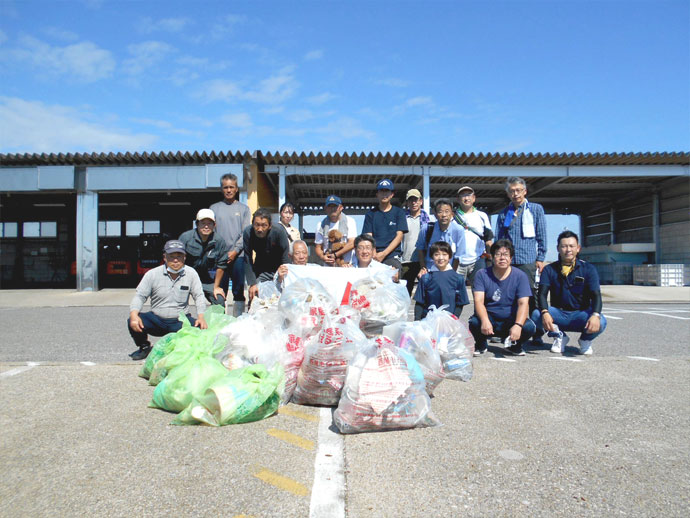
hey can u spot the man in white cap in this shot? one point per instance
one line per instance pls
(417, 218)
(478, 233)
(169, 286)
(347, 226)
(207, 253)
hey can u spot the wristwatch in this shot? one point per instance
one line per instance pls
(595, 314)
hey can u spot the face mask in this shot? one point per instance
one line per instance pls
(170, 270)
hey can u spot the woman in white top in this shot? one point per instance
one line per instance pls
(287, 212)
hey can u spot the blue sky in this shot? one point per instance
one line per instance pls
(545, 76)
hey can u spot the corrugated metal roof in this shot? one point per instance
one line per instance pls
(405, 159)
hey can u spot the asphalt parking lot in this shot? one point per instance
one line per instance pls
(541, 435)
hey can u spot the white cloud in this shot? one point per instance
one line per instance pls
(34, 127)
(148, 25)
(344, 128)
(61, 34)
(145, 55)
(239, 121)
(220, 90)
(272, 90)
(313, 55)
(299, 115)
(275, 89)
(321, 98)
(227, 24)
(419, 101)
(84, 61)
(393, 82)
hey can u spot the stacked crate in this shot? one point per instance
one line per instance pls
(660, 275)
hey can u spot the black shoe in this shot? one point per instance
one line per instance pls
(538, 342)
(141, 353)
(515, 350)
(479, 352)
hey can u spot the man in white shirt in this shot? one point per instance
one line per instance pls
(335, 219)
(478, 234)
(416, 219)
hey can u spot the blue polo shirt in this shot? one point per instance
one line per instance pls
(384, 225)
(572, 293)
(501, 297)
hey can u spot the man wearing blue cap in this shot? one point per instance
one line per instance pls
(346, 226)
(386, 224)
(169, 286)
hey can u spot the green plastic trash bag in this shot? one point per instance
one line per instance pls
(186, 381)
(162, 348)
(243, 395)
(188, 340)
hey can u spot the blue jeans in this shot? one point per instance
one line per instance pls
(501, 329)
(156, 326)
(236, 271)
(569, 321)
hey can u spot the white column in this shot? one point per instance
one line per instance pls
(426, 194)
(87, 241)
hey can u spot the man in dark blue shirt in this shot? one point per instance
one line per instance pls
(501, 302)
(575, 298)
(386, 224)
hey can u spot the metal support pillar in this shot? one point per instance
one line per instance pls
(87, 241)
(612, 225)
(281, 185)
(656, 230)
(426, 191)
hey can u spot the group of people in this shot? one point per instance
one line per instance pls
(505, 266)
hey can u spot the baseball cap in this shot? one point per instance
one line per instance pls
(333, 200)
(385, 184)
(413, 192)
(174, 245)
(465, 188)
(205, 214)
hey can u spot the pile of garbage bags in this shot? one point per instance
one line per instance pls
(359, 354)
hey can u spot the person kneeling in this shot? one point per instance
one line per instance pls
(501, 302)
(442, 286)
(575, 298)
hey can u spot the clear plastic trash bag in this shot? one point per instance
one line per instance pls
(384, 390)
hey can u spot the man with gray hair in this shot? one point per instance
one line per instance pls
(232, 217)
(524, 224)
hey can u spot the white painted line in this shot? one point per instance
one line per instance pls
(564, 358)
(643, 358)
(606, 314)
(18, 370)
(88, 364)
(611, 317)
(328, 491)
(502, 359)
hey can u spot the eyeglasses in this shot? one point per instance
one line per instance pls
(516, 191)
(502, 254)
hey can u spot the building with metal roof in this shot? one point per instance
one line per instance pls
(634, 207)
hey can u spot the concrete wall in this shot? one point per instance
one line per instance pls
(675, 243)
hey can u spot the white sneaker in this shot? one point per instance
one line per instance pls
(559, 343)
(586, 347)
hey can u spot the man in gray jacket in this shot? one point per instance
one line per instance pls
(169, 286)
(232, 217)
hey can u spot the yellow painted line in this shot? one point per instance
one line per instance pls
(291, 438)
(296, 413)
(281, 482)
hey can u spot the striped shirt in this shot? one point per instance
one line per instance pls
(169, 297)
(527, 249)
